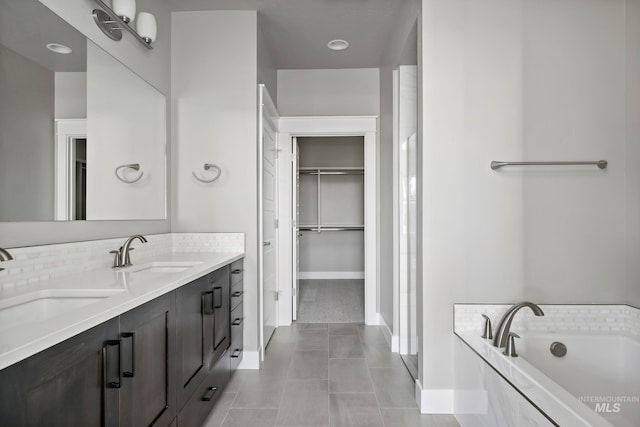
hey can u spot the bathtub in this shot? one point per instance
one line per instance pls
(597, 382)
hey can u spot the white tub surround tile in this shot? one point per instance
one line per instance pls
(480, 367)
(483, 398)
(84, 269)
(618, 319)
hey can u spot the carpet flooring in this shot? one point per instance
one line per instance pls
(331, 301)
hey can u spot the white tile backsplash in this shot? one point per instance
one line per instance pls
(38, 263)
(622, 319)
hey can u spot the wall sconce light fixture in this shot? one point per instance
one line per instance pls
(113, 21)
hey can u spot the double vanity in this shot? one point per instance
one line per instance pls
(151, 343)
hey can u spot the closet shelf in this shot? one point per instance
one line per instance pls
(331, 170)
(331, 228)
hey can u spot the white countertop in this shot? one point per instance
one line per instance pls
(120, 291)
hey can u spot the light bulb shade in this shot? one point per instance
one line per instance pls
(125, 9)
(146, 26)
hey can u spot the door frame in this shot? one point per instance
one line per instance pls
(267, 111)
(322, 126)
(66, 132)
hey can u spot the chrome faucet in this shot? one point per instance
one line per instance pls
(4, 256)
(122, 257)
(502, 333)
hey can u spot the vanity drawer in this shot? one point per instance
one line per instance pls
(236, 295)
(237, 272)
(237, 324)
(198, 407)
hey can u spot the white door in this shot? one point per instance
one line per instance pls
(296, 233)
(269, 233)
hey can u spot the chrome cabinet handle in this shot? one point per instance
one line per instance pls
(237, 271)
(236, 353)
(266, 243)
(237, 322)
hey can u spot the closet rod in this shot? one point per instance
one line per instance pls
(316, 172)
(355, 228)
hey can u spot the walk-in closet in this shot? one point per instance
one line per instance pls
(330, 219)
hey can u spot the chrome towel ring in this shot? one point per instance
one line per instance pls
(134, 166)
(207, 167)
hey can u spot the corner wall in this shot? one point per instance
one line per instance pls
(215, 104)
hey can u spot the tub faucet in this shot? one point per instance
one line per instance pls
(4, 256)
(502, 333)
(122, 258)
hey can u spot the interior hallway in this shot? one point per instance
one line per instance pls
(324, 375)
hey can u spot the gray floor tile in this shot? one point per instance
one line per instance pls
(278, 358)
(345, 346)
(313, 339)
(251, 418)
(304, 403)
(236, 381)
(349, 376)
(216, 417)
(372, 334)
(413, 418)
(310, 364)
(262, 389)
(308, 326)
(354, 410)
(380, 356)
(394, 387)
(343, 329)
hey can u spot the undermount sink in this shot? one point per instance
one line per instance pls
(47, 304)
(162, 267)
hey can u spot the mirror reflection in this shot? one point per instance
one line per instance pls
(81, 135)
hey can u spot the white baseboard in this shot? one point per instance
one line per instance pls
(392, 340)
(330, 275)
(434, 401)
(250, 360)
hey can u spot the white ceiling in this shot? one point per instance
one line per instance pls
(297, 31)
(27, 26)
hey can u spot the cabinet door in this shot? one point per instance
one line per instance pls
(221, 305)
(194, 311)
(148, 345)
(74, 383)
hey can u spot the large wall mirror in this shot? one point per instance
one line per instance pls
(82, 137)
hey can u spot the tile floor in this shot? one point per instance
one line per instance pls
(324, 375)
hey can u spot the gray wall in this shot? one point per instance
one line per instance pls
(26, 139)
(71, 95)
(151, 65)
(267, 72)
(553, 235)
(215, 104)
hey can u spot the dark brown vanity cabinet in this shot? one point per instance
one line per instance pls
(163, 363)
(121, 372)
(74, 383)
(237, 314)
(148, 353)
(204, 335)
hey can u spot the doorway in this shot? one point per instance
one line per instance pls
(295, 235)
(330, 234)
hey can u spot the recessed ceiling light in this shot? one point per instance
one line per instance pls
(59, 48)
(338, 44)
